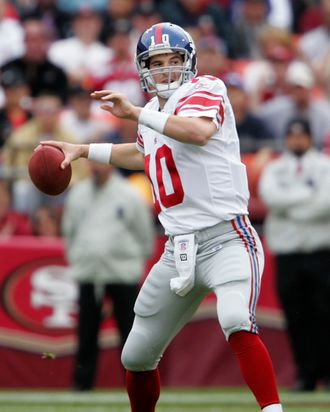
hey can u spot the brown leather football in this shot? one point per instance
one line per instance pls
(45, 170)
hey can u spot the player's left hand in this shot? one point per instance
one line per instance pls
(119, 105)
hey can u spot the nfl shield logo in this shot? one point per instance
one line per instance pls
(183, 246)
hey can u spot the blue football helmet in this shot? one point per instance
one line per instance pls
(165, 38)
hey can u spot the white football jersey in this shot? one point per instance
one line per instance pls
(195, 187)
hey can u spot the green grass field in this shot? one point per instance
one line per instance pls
(201, 400)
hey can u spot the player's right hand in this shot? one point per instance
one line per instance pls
(117, 104)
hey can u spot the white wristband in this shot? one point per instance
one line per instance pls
(154, 120)
(100, 152)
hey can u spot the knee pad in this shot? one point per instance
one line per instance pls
(233, 313)
(137, 354)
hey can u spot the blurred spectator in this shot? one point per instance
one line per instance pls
(121, 9)
(19, 148)
(256, 141)
(326, 146)
(323, 75)
(119, 72)
(307, 15)
(11, 36)
(142, 184)
(299, 101)
(73, 6)
(117, 10)
(315, 46)
(11, 223)
(212, 50)
(145, 15)
(279, 13)
(248, 24)
(212, 56)
(83, 54)
(11, 9)
(56, 21)
(42, 75)
(295, 188)
(125, 132)
(16, 110)
(189, 12)
(78, 119)
(21, 6)
(46, 222)
(265, 78)
(207, 26)
(253, 132)
(109, 235)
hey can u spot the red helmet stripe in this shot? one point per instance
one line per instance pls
(158, 34)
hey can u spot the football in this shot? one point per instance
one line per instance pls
(45, 170)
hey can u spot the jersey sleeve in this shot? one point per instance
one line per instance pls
(139, 142)
(205, 98)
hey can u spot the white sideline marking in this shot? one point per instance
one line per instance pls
(177, 398)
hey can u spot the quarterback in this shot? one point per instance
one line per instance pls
(188, 146)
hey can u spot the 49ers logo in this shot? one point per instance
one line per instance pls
(41, 296)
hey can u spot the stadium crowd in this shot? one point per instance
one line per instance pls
(273, 56)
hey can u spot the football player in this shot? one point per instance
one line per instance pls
(188, 145)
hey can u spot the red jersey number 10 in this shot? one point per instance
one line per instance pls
(164, 158)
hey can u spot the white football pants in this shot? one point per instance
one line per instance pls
(229, 262)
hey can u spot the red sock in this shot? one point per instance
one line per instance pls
(256, 367)
(143, 389)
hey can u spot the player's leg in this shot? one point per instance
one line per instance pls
(241, 263)
(160, 314)
(257, 369)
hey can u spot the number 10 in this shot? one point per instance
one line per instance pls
(161, 197)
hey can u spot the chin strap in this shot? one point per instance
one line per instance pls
(166, 90)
